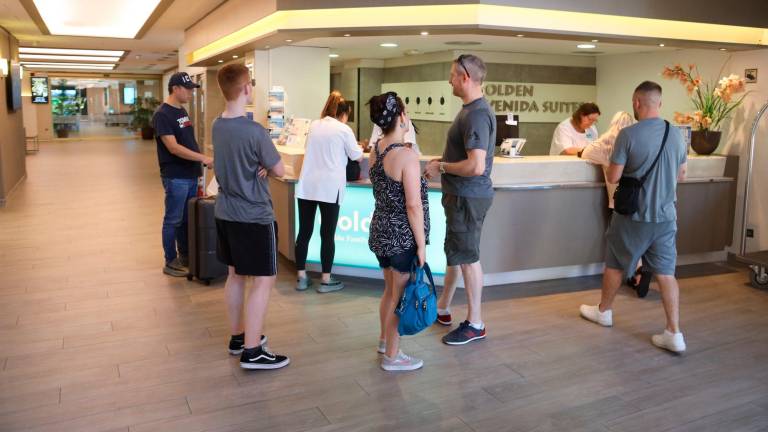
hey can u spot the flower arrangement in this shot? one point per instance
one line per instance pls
(713, 103)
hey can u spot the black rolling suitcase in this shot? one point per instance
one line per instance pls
(203, 263)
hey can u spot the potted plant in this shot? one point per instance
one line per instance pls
(142, 112)
(65, 109)
(713, 103)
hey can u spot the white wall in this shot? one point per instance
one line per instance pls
(617, 76)
(304, 73)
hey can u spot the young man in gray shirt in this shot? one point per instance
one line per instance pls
(649, 233)
(465, 170)
(245, 223)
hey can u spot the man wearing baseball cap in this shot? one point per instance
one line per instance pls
(180, 160)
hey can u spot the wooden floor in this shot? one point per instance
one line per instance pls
(94, 338)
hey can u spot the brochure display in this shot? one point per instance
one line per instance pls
(295, 133)
(276, 115)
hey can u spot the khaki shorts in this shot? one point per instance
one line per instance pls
(464, 218)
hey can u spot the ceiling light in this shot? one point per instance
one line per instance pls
(595, 40)
(388, 45)
(64, 57)
(3, 67)
(661, 45)
(221, 61)
(34, 50)
(137, 57)
(333, 55)
(289, 40)
(266, 46)
(70, 66)
(585, 46)
(425, 33)
(722, 49)
(234, 56)
(347, 35)
(520, 35)
(121, 19)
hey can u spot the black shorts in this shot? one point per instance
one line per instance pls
(401, 262)
(250, 248)
(463, 225)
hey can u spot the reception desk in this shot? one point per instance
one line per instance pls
(547, 220)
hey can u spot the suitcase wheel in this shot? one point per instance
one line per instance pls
(189, 277)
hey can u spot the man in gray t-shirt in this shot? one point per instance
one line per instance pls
(650, 232)
(245, 223)
(465, 173)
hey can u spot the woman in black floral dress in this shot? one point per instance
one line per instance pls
(399, 229)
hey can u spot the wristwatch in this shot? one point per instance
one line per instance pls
(442, 167)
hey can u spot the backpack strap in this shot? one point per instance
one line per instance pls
(663, 141)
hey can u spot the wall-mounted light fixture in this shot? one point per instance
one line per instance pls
(3, 67)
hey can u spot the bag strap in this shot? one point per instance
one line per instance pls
(663, 141)
(419, 272)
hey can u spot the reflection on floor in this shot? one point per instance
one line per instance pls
(90, 130)
(94, 338)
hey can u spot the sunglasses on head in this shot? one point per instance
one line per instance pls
(460, 61)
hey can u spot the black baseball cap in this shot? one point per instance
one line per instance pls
(182, 79)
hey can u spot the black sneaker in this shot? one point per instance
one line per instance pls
(237, 343)
(261, 358)
(463, 334)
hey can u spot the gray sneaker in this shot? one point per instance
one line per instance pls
(177, 264)
(184, 260)
(401, 362)
(330, 286)
(303, 283)
(170, 271)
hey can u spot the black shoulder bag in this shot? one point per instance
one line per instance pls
(626, 199)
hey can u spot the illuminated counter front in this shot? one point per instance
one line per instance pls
(547, 220)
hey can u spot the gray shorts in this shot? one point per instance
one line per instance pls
(628, 241)
(463, 225)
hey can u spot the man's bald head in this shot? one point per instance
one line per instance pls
(646, 101)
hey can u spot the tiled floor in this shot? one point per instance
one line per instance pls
(94, 338)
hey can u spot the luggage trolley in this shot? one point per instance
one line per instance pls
(757, 261)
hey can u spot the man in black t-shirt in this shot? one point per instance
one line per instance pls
(179, 159)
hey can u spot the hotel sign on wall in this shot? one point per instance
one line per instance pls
(534, 102)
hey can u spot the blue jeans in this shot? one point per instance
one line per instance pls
(177, 192)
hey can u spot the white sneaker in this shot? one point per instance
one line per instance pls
(382, 347)
(669, 341)
(593, 314)
(401, 363)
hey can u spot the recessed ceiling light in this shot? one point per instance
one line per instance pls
(520, 35)
(333, 55)
(221, 61)
(388, 45)
(595, 40)
(289, 40)
(121, 19)
(266, 46)
(64, 57)
(661, 45)
(138, 57)
(585, 46)
(723, 49)
(425, 33)
(234, 56)
(34, 50)
(347, 35)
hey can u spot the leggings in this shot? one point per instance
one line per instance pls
(329, 216)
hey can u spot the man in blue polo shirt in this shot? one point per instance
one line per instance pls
(180, 160)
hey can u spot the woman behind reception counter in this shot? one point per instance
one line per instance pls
(322, 183)
(575, 132)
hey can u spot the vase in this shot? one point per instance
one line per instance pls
(705, 142)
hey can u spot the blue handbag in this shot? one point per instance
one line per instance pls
(418, 306)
